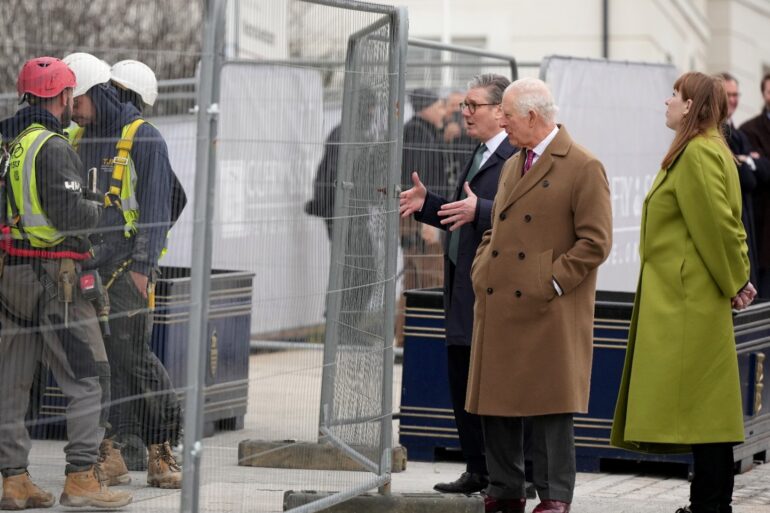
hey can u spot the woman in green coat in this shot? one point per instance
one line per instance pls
(680, 390)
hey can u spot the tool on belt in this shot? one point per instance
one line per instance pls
(93, 290)
(67, 278)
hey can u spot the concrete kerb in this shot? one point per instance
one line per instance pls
(290, 454)
(391, 503)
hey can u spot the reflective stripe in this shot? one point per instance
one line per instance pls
(28, 218)
(130, 203)
(34, 220)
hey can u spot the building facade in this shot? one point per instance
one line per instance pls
(703, 35)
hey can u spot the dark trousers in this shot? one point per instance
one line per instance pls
(711, 490)
(468, 425)
(144, 400)
(553, 456)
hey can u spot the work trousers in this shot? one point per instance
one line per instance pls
(711, 490)
(468, 424)
(34, 330)
(553, 456)
(144, 400)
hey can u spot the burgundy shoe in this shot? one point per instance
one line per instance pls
(549, 506)
(494, 505)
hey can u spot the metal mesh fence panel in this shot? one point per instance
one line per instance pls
(305, 200)
(92, 369)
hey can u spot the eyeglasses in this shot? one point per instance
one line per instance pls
(473, 106)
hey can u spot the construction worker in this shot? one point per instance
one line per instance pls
(44, 314)
(136, 83)
(138, 177)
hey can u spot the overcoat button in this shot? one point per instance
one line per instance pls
(545, 183)
(522, 255)
(518, 293)
(527, 218)
(489, 290)
(494, 253)
(502, 216)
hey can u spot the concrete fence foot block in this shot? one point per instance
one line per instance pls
(291, 454)
(393, 503)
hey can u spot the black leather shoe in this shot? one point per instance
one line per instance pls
(467, 483)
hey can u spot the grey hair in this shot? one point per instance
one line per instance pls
(532, 94)
(494, 84)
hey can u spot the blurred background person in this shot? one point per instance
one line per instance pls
(680, 390)
(754, 173)
(757, 130)
(459, 145)
(425, 153)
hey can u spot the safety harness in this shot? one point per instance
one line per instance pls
(120, 163)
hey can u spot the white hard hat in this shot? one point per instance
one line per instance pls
(89, 71)
(137, 77)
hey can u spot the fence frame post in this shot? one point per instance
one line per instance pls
(200, 268)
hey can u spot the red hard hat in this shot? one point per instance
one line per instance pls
(44, 77)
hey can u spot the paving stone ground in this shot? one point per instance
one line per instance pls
(283, 397)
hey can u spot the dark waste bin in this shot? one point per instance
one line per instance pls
(227, 355)
(427, 421)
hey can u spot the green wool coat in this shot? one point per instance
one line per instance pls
(680, 383)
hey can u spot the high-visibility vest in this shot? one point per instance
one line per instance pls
(74, 134)
(35, 226)
(123, 179)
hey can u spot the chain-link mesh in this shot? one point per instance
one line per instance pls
(352, 407)
(306, 200)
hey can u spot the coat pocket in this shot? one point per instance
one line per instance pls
(545, 273)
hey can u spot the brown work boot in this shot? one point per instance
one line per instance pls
(162, 468)
(111, 465)
(86, 489)
(19, 492)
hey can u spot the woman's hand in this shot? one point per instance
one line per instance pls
(744, 297)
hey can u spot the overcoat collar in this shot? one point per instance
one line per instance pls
(521, 184)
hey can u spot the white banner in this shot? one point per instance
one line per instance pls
(616, 110)
(270, 141)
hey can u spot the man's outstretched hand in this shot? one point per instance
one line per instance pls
(458, 213)
(412, 200)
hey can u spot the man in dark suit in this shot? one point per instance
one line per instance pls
(754, 174)
(466, 217)
(757, 132)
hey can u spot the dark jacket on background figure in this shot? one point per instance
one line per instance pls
(751, 181)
